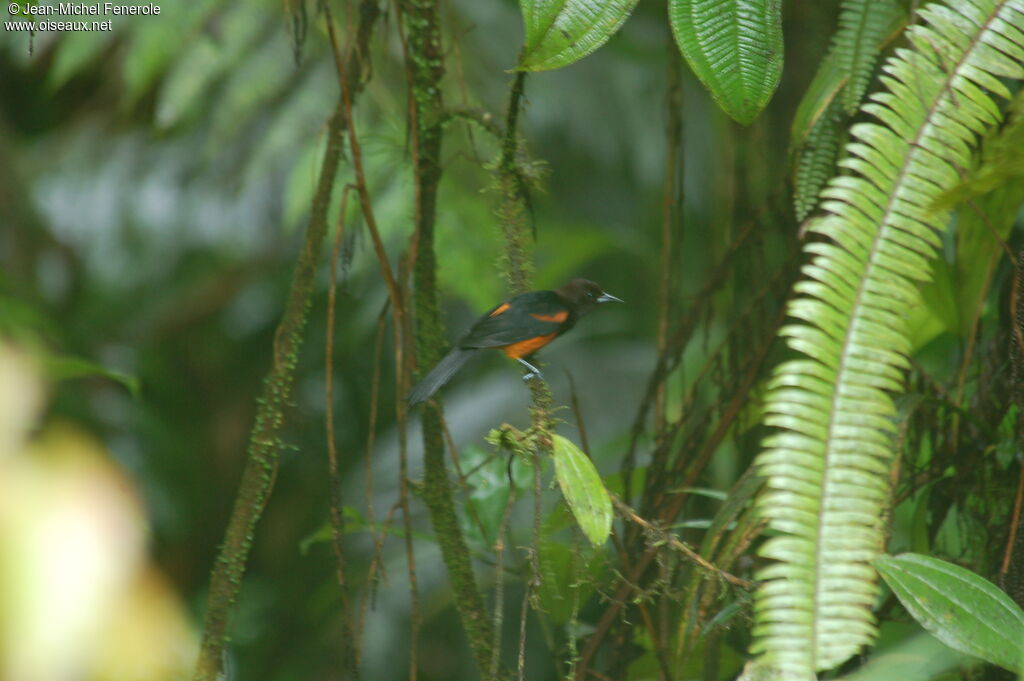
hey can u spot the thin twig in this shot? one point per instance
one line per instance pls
(710, 446)
(463, 479)
(371, 435)
(1014, 524)
(671, 210)
(349, 655)
(679, 545)
(357, 163)
(584, 444)
(398, 307)
(499, 580)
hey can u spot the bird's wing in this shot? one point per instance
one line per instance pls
(526, 316)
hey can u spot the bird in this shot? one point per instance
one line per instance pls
(519, 327)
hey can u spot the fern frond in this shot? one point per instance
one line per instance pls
(827, 465)
(816, 160)
(865, 27)
(1001, 162)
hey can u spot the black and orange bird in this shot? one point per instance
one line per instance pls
(519, 327)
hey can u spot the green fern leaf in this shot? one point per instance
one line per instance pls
(865, 27)
(1001, 163)
(734, 47)
(827, 465)
(816, 160)
(989, 197)
(559, 32)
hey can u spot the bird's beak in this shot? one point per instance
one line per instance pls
(608, 298)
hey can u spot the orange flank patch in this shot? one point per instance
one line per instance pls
(524, 348)
(498, 310)
(558, 317)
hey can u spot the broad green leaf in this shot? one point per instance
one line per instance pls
(963, 610)
(583, 490)
(918, 657)
(570, 573)
(487, 488)
(734, 47)
(559, 32)
(188, 76)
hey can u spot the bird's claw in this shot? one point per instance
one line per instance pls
(531, 371)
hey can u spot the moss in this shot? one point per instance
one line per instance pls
(426, 69)
(264, 444)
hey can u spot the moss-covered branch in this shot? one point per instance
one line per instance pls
(518, 263)
(264, 442)
(425, 68)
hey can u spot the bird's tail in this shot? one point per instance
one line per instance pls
(439, 375)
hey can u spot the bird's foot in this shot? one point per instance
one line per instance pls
(533, 372)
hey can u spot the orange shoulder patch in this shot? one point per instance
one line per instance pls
(498, 310)
(528, 346)
(557, 318)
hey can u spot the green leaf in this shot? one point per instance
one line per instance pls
(734, 47)
(559, 32)
(919, 657)
(72, 54)
(153, 44)
(818, 98)
(963, 610)
(1000, 164)
(865, 27)
(354, 522)
(816, 161)
(63, 367)
(710, 493)
(583, 490)
(570, 572)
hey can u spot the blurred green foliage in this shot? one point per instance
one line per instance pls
(156, 184)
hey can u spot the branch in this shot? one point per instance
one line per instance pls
(264, 442)
(679, 545)
(424, 71)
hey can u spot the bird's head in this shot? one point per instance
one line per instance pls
(583, 295)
